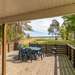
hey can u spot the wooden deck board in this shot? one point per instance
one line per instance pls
(66, 67)
(51, 65)
(37, 67)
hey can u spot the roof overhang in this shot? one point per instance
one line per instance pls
(56, 10)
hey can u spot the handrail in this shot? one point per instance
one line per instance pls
(73, 47)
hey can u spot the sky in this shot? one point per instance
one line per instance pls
(40, 26)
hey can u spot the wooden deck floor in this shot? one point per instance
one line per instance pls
(51, 65)
(65, 67)
(37, 67)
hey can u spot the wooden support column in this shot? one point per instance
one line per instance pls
(3, 49)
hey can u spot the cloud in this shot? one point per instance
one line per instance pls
(41, 25)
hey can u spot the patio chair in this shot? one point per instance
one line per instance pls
(32, 45)
(41, 53)
(34, 55)
(24, 55)
(19, 47)
(20, 54)
(29, 54)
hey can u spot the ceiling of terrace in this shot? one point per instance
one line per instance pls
(33, 9)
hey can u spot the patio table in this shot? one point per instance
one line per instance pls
(37, 51)
(31, 52)
(35, 48)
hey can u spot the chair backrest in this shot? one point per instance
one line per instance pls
(28, 51)
(35, 45)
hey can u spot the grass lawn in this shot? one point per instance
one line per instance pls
(26, 41)
(49, 41)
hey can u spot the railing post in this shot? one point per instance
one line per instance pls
(69, 53)
(67, 50)
(72, 50)
(46, 48)
(3, 49)
(74, 58)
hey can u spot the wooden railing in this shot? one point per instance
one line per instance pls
(71, 53)
(60, 49)
(66, 49)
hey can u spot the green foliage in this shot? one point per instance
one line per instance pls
(25, 45)
(13, 32)
(62, 32)
(54, 25)
(69, 24)
(49, 30)
(69, 21)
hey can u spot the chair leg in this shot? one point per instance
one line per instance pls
(41, 57)
(31, 60)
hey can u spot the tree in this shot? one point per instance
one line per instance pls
(55, 24)
(26, 26)
(54, 28)
(69, 22)
(64, 32)
(49, 30)
(15, 31)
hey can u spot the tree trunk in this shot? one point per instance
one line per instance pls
(67, 36)
(15, 45)
(55, 37)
